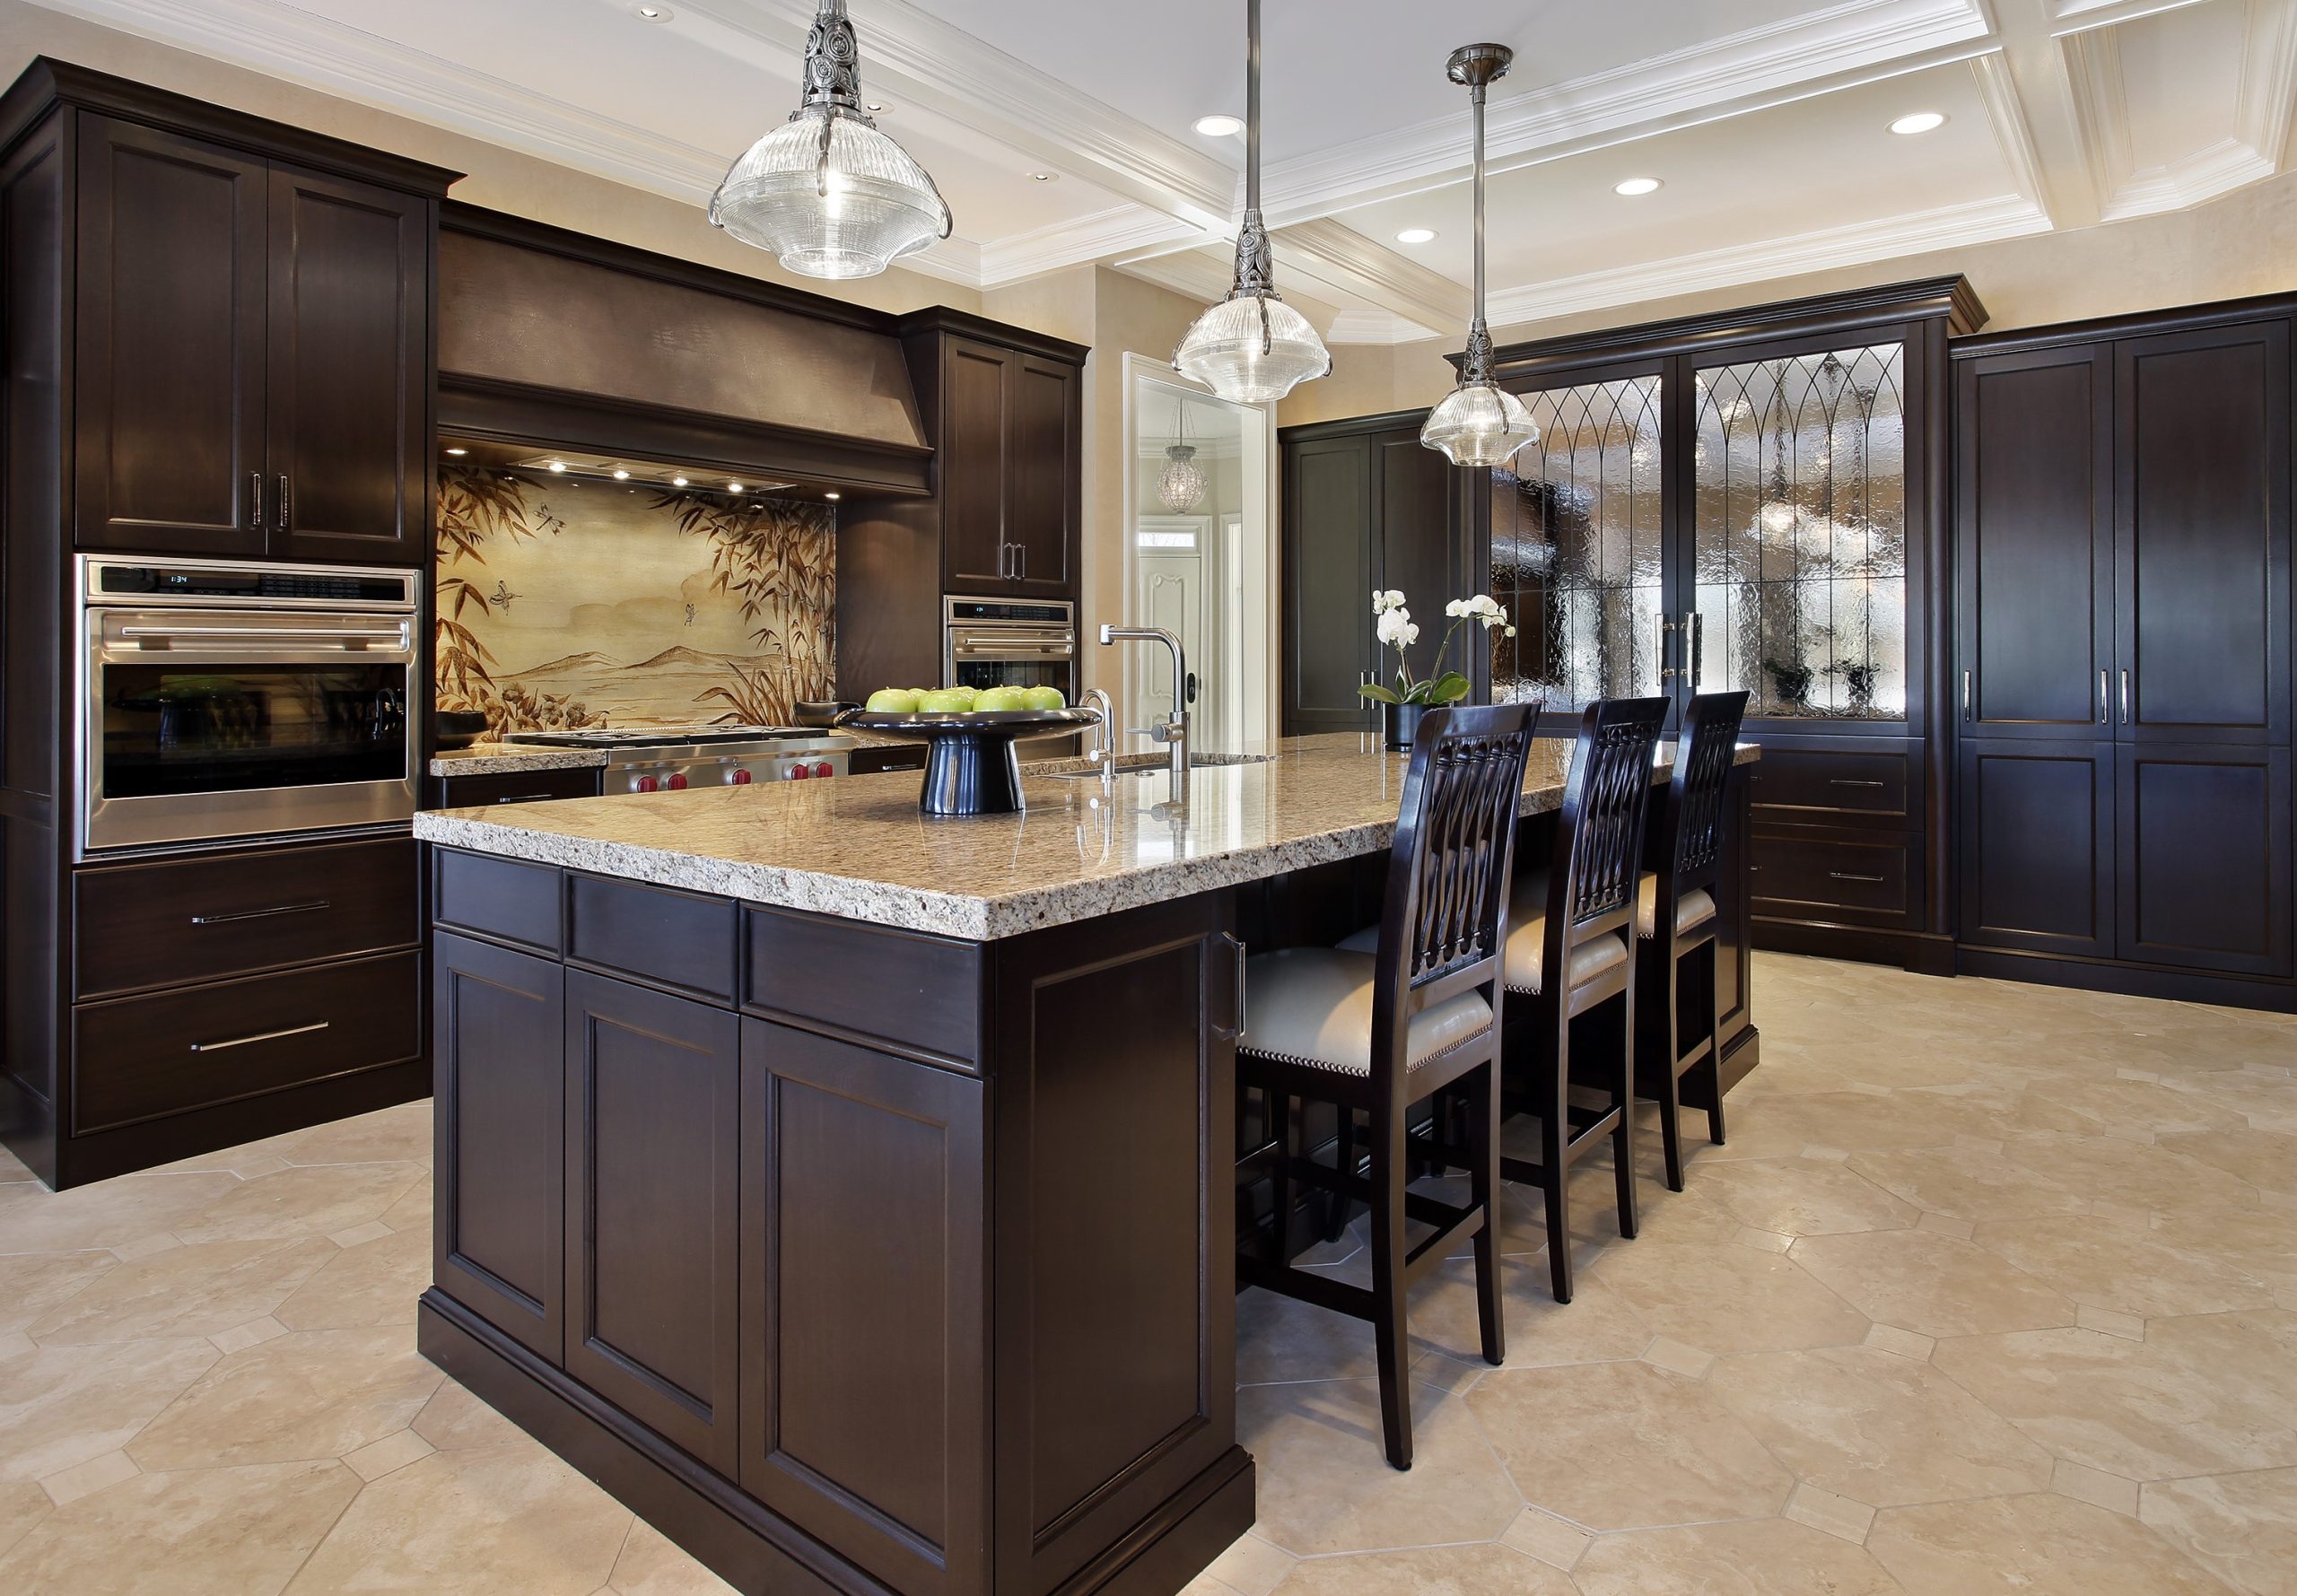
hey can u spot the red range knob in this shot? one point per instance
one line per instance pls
(647, 784)
(741, 778)
(796, 773)
(825, 769)
(677, 783)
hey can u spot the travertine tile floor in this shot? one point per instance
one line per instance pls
(1995, 1289)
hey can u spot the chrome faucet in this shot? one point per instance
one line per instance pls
(1171, 733)
(1103, 756)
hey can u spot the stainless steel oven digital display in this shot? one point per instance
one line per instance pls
(220, 700)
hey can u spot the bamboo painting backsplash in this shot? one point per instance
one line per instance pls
(567, 603)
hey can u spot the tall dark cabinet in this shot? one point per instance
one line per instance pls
(2124, 645)
(1365, 506)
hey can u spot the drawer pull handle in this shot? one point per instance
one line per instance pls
(1847, 876)
(1848, 782)
(1236, 946)
(217, 1047)
(220, 919)
(524, 797)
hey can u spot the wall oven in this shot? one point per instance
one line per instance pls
(999, 642)
(221, 699)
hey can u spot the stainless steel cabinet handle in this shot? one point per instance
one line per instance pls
(1659, 647)
(238, 914)
(255, 498)
(1966, 696)
(217, 1047)
(1847, 876)
(1021, 560)
(1848, 782)
(2124, 695)
(2105, 709)
(283, 501)
(526, 797)
(1243, 1016)
(1695, 630)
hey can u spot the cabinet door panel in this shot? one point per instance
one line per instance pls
(2202, 534)
(2204, 868)
(1418, 550)
(169, 373)
(1043, 494)
(2037, 839)
(499, 1230)
(864, 1392)
(652, 1209)
(348, 394)
(2035, 541)
(972, 466)
(1328, 573)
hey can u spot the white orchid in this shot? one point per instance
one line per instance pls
(1398, 631)
(1385, 599)
(1396, 628)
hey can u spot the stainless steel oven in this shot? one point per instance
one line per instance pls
(1000, 642)
(219, 699)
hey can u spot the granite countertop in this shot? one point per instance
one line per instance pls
(504, 759)
(862, 849)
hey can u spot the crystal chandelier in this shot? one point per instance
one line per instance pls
(826, 191)
(1181, 483)
(1251, 347)
(1479, 422)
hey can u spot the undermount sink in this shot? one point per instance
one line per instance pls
(1197, 762)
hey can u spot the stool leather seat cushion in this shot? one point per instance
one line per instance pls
(1693, 908)
(1312, 1006)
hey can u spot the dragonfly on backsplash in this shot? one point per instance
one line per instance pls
(502, 596)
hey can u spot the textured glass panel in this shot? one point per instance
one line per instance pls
(1798, 516)
(1576, 546)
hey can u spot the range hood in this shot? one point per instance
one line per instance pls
(550, 336)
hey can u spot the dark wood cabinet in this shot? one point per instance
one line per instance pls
(169, 360)
(974, 457)
(653, 1209)
(1365, 505)
(347, 403)
(499, 1155)
(2125, 636)
(1045, 491)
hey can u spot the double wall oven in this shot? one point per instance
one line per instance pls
(1000, 642)
(219, 700)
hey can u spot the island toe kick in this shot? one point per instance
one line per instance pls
(854, 1259)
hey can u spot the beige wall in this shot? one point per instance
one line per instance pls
(2243, 243)
(500, 178)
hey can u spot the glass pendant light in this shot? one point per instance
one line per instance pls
(826, 191)
(1251, 347)
(1180, 483)
(1479, 422)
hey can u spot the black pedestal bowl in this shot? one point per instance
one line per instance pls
(970, 767)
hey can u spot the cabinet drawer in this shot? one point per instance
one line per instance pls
(1854, 788)
(157, 925)
(871, 758)
(903, 987)
(506, 899)
(1812, 874)
(516, 787)
(673, 938)
(136, 1058)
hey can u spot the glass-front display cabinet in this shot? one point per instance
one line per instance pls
(1753, 500)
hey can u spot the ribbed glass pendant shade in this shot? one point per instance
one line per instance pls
(1480, 423)
(1252, 348)
(825, 191)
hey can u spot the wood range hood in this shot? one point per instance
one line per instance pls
(547, 337)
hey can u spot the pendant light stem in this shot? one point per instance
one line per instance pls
(1252, 107)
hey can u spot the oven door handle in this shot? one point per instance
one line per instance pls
(1007, 650)
(301, 634)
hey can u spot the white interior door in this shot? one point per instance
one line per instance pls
(1173, 589)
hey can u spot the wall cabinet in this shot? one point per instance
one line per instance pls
(2124, 643)
(252, 354)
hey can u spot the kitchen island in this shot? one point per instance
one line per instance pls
(854, 1193)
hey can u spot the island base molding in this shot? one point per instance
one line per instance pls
(751, 1548)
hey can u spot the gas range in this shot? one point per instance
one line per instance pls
(673, 758)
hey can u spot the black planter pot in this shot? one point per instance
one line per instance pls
(1400, 722)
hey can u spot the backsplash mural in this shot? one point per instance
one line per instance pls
(566, 603)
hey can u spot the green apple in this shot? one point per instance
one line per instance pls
(994, 700)
(941, 701)
(964, 692)
(1042, 698)
(892, 701)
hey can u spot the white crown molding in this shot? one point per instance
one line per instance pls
(1329, 255)
(2264, 108)
(2094, 72)
(1200, 274)
(2006, 216)
(1851, 42)
(2077, 16)
(1379, 327)
(1117, 230)
(2005, 113)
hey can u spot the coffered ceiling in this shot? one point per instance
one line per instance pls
(1062, 131)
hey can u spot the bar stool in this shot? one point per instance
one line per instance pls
(1381, 1030)
(1680, 896)
(1568, 962)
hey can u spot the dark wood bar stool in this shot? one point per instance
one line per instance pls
(1570, 976)
(1380, 1032)
(1676, 923)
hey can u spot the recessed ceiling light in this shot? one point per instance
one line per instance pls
(830, 495)
(558, 465)
(1219, 126)
(1919, 122)
(733, 488)
(620, 475)
(1044, 176)
(458, 452)
(678, 482)
(877, 107)
(1416, 235)
(647, 11)
(1635, 186)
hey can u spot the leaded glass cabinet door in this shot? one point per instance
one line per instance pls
(1579, 548)
(1798, 533)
